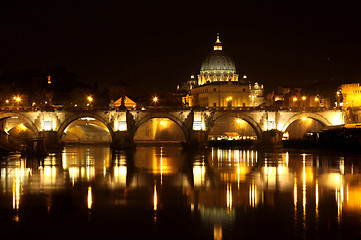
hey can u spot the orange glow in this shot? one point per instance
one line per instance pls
(155, 99)
(217, 232)
(304, 98)
(295, 99)
(89, 200)
(155, 199)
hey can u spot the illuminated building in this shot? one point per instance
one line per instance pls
(295, 97)
(351, 94)
(256, 94)
(219, 85)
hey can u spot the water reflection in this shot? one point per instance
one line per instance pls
(224, 191)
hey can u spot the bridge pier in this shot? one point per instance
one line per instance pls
(271, 138)
(122, 139)
(51, 140)
(197, 139)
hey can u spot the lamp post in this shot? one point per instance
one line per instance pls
(155, 100)
(17, 100)
(90, 101)
(304, 101)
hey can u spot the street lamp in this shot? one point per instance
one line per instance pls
(155, 100)
(17, 99)
(90, 100)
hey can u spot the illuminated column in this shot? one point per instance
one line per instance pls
(199, 135)
(48, 130)
(271, 135)
(121, 137)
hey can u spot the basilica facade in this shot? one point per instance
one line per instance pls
(219, 85)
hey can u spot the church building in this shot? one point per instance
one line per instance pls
(219, 85)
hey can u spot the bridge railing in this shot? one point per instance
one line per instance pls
(165, 108)
(269, 108)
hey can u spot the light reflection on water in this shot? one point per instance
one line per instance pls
(211, 194)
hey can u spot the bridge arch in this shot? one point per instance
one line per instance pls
(29, 124)
(313, 116)
(150, 116)
(77, 116)
(254, 125)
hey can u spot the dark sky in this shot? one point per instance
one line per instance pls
(155, 45)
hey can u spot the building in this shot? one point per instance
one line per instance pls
(295, 97)
(351, 94)
(256, 94)
(219, 85)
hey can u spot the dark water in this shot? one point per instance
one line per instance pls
(165, 193)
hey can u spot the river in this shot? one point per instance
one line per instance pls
(155, 192)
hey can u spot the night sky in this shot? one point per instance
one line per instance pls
(153, 46)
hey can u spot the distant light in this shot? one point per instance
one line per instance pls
(295, 99)
(7, 101)
(90, 98)
(304, 118)
(155, 99)
(304, 98)
(316, 99)
(49, 79)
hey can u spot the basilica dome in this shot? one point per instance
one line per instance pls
(217, 67)
(216, 62)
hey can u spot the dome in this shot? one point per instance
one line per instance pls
(217, 63)
(217, 67)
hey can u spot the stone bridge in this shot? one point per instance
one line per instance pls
(195, 123)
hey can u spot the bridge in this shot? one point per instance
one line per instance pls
(195, 124)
